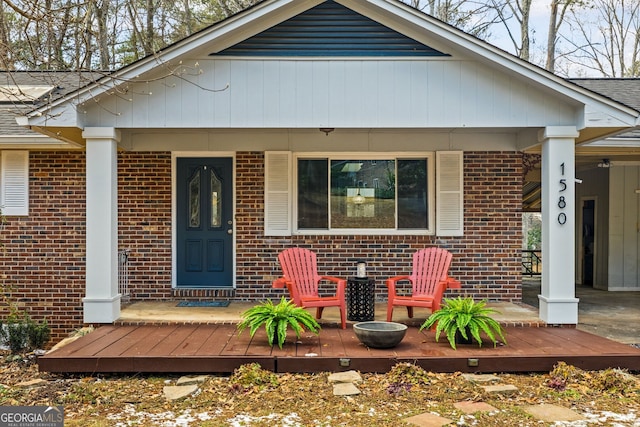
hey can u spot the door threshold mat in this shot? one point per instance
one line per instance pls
(203, 304)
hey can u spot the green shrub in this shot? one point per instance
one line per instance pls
(251, 376)
(20, 334)
(466, 317)
(39, 334)
(276, 319)
(15, 336)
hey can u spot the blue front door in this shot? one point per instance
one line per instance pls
(204, 222)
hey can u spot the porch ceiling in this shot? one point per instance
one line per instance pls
(531, 200)
(587, 157)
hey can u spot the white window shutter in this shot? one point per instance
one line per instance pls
(14, 183)
(277, 194)
(449, 193)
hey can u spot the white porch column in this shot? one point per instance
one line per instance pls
(102, 300)
(558, 304)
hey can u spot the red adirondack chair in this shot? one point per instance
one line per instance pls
(429, 279)
(300, 276)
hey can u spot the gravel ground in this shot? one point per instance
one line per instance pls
(253, 397)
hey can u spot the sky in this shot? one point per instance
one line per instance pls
(539, 23)
(538, 20)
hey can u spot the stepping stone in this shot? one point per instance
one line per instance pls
(428, 420)
(552, 413)
(175, 392)
(469, 407)
(31, 383)
(345, 377)
(480, 378)
(345, 389)
(500, 388)
(192, 380)
(77, 334)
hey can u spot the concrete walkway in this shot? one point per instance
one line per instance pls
(613, 315)
(167, 311)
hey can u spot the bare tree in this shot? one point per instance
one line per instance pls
(558, 11)
(231, 7)
(108, 34)
(101, 10)
(606, 40)
(520, 11)
(6, 61)
(472, 16)
(99, 34)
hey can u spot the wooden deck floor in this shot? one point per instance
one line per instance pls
(218, 348)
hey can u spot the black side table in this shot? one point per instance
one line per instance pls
(360, 299)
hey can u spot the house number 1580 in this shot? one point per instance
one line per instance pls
(562, 202)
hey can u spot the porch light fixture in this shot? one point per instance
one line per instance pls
(327, 131)
(604, 163)
(361, 269)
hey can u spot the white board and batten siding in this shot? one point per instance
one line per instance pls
(624, 228)
(387, 93)
(279, 197)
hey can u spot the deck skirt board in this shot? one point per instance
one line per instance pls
(202, 348)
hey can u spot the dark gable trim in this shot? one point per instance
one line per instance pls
(333, 30)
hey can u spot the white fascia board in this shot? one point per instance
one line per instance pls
(615, 142)
(61, 113)
(597, 116)
(33, 142)
(426, 28)
(40, 138)
(22, 121)
(234, 29)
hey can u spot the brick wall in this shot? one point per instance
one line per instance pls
(43, 261)
(144, 222)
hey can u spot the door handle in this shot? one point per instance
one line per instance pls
(230, 231)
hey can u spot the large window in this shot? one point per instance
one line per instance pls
(386, 193)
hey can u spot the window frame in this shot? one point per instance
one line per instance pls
(329, 156)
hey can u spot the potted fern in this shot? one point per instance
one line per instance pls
(462, 320)
(277, 319)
